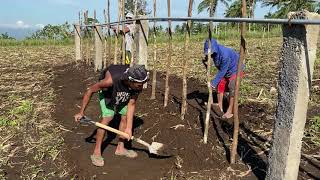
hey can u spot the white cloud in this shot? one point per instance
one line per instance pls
(39, 26)
(21, 24)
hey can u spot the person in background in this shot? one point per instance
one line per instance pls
(128, 33)
(226, 61)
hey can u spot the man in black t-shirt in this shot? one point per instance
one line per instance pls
(118, 89)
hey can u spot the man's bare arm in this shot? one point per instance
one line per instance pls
(105, 83)
(130, 114)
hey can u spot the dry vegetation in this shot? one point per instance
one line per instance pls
(30, 139)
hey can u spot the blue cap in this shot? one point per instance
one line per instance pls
(214, 46)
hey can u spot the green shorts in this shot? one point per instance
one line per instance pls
(108, 111)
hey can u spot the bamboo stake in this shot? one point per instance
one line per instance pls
(134, 48)
(109, 33)
(185, 64)
(88, 38)
(117, 35)
(166, 95)
(236, 96)
(154, 74)
(206, 125)
(123, 34)
(105, 40)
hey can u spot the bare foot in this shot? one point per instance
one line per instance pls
(227, 115)
(216, 109)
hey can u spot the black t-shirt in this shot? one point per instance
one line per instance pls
(117, 96)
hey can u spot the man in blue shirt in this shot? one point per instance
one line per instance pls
(226, 61)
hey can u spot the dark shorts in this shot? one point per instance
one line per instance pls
(228, 84)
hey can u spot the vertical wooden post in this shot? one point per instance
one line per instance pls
(134, 48)
(77, 40)
(206, 124)
(98, 39)
(123, 33)
(238, 81)
(166, 94)
(117, 35)
(154, 74)
(106, 39)
(87, 40)
(185, 63)
(141, 39)
(109, 34)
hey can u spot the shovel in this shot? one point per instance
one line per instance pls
(154, 147)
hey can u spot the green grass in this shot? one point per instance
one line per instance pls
(34, 42)
(313, 132)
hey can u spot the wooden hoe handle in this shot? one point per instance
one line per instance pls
(111, 129)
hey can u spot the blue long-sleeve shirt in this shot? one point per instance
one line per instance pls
(224, 58)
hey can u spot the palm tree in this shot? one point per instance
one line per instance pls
(285, 6)
(205, 5)
(141, 7)
(234, 10)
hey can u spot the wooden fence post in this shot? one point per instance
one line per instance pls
(154, 74)
(206, 124)
(123, 34)
(117, 35)
(238, 81)
(98, 41)
(77, 40)
(185, 63)
(167, 88)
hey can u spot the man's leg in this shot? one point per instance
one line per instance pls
(220, 100)
(231, 87)
(229, 113)
(122, 127)
(100, 136)
(107, 115)
(121, 150)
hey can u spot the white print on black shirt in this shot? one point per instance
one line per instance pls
(122, 97)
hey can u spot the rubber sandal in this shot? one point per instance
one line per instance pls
(97, 160)
(127, 153)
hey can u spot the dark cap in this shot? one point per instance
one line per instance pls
(137, 73)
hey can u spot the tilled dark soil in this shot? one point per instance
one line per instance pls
(190, 157)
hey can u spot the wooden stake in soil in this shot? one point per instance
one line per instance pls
(117, 35)
(123, 33)
(238, 81)
(134, 48)
(109, 33)
(105, 41)
(77, 40)
(87, 37)
(98, 39)
(185, 63)
(154, 74)
(206, 125)
(166, 94)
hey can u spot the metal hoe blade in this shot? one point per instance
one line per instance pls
(156, 148)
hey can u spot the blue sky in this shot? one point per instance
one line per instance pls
(31, 14)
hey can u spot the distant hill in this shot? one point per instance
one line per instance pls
(18, 33)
